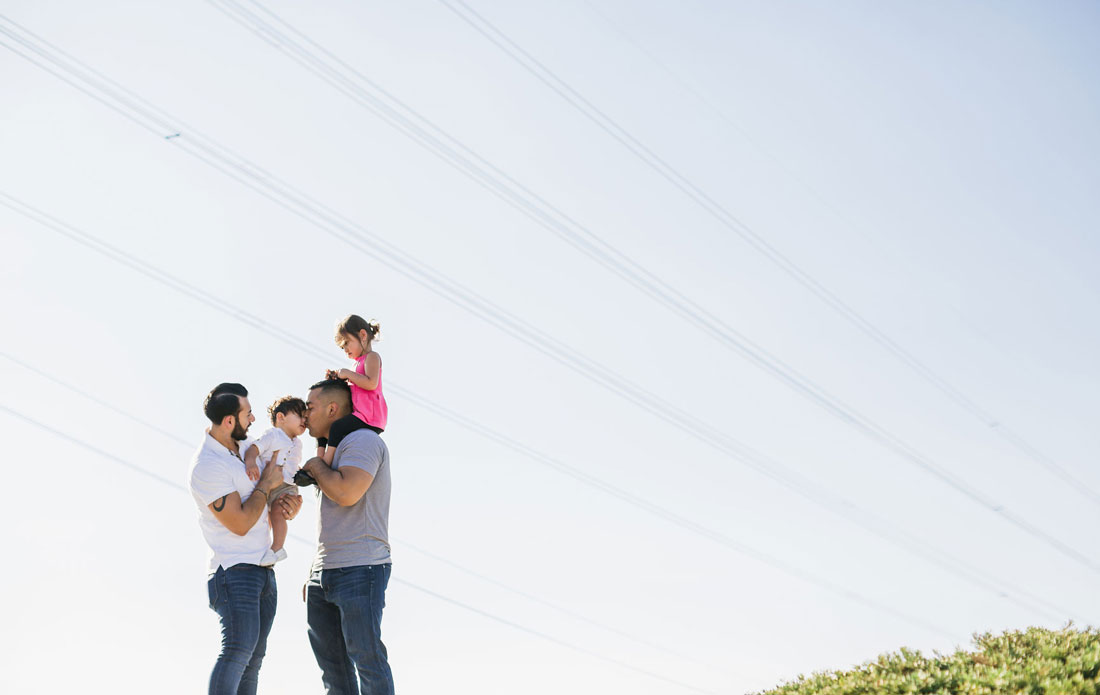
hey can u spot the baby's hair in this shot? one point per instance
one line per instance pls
(287, 404)
(353, 323)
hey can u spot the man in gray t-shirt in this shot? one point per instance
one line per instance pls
(357, 534)
(347, 586)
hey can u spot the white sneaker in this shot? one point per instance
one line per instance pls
(272, 556)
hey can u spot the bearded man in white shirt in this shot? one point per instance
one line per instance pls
(234, 523)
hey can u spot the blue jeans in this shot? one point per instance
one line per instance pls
(344, 611)
(244, 597)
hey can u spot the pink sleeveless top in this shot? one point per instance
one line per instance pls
(369, 406)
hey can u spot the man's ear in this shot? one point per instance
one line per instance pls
(232, 421)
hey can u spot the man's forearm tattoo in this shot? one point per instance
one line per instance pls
(220, 504)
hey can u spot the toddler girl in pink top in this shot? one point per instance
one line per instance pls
(354, 336)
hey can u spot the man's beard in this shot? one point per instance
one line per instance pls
(239, 433)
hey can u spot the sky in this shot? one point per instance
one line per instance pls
(591, 491)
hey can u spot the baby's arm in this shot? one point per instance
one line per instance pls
(250, 466)
(372, 365)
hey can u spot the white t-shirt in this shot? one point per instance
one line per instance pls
(290, 452)
(216, 472)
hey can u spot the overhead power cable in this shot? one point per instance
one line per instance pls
(98, 401)
(473, 609)
(879, 527)
(758, 243)
(702, 98)
(368, 94)
(329, 221)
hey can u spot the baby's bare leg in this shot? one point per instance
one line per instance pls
(278, 529)
(330, 453)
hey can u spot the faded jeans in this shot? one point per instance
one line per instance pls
(344, 611)
(244, 597)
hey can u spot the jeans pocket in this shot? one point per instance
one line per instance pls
(212, 592)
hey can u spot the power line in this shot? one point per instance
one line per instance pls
(98, 401)
(368, 94)
(518, 626)
(741, 130)
(262, 182)
(342, 228)
(878, 527)
(757, 242)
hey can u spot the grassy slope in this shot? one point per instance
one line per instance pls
(1015, 663)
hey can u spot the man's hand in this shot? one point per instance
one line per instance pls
(344, 486)
(270, 478)
(310, 465)
(289, 505)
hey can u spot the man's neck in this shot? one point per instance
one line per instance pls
(225, 439)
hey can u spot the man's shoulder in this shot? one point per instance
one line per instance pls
(361, 443)
(365, 437)
(206, 459)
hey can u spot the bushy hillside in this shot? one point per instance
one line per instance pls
(1034, 662)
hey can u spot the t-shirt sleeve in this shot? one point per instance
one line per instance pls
(362, 452)
(210, 481)
(263, 443)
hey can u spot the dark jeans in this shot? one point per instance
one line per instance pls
(244, 598)
(344, 611)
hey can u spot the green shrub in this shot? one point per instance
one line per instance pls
(1034, 662)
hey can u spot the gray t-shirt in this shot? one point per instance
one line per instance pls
(359, 534)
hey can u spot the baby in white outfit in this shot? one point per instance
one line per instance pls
(282, 447)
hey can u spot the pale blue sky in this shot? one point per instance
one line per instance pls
(934, 165)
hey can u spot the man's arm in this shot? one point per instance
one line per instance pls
(240, 517)
(344, 486)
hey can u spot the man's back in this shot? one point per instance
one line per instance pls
(357, 534)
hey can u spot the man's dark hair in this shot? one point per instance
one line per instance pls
(229, 387)
(221, 405)
(226, 388)
(334, 388)
(287, 404)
